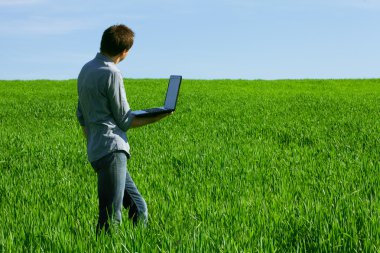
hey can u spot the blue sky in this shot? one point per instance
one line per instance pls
(199, 39)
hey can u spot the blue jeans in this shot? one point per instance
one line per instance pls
(116, 189)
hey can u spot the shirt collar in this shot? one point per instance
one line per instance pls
(104, 58)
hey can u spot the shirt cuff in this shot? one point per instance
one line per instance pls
(128, 120)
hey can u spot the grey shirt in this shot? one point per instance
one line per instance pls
(103, 108)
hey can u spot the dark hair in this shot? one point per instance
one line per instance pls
(116, 39)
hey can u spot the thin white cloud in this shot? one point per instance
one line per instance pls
(19, 2)
(43, 17)
(364, 4)
(43, 26)
(295, 4)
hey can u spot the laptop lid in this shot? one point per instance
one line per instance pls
(172, 92)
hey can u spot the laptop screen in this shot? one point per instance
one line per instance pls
(172, 93)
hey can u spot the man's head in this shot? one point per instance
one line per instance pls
(116, 40)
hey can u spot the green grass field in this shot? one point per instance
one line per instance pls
(241, 166)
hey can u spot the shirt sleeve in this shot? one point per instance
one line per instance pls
(80, 115)
(121, 111)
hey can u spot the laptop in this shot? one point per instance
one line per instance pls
(170, 101)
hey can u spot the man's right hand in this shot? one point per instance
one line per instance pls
(139, 122)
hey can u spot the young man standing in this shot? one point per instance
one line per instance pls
(105, 116)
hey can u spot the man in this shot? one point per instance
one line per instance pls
(105, 116)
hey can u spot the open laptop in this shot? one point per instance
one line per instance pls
(170, 101)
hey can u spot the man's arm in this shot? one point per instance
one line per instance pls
(139, 122)
(120, 109)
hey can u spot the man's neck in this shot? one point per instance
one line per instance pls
(115, 59)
